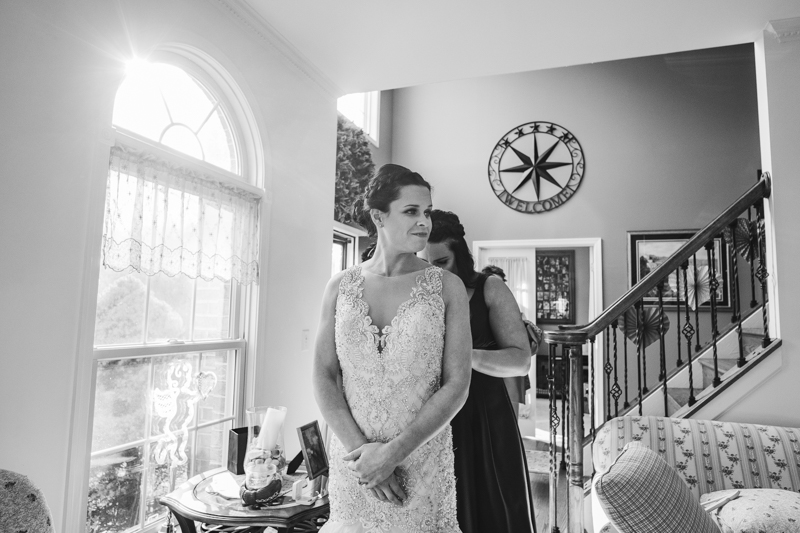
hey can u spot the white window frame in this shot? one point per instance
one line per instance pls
(353, 235)
(249, 301)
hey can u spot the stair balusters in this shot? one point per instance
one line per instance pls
(615, 390)
(697, 346)
(761, 271)
(564, 388)
(639, 345)
(643, 344)
(607, 369)
(737, 313)
(713, 285)
(678, 314)
(661, 350)
(591, 373)
(626, 404)
(554, 421)
(752, 234)
(688, 330)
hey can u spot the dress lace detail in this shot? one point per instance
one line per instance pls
(387, 376)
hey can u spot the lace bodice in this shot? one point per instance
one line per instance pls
(387, 376)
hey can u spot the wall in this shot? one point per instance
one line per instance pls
(776, 401)
(62, 63)
(669, 142)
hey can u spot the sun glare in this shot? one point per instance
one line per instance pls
(136, 67)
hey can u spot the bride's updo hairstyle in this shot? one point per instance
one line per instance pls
(447, 229)
(383, 189)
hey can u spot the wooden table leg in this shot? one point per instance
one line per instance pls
(186, 525)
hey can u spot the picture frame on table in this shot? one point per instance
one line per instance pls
(555, 287)
(649, 249)
(313, 448)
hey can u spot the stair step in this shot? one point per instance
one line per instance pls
(673, 405)
(750, 342)
(723, 365)
(679, 395)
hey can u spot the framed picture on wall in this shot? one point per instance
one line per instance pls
(555, 286)
(649, 249)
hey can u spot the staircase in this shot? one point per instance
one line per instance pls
(678, 392)
(656, 328)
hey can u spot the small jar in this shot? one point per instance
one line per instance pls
(259, 473)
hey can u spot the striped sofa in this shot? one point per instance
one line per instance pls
(709, 455)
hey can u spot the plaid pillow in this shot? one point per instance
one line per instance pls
(641, 493)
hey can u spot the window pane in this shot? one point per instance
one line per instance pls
(216, 136)
(114, 491)
(212, 310)
(337, 257)
(170, 309)
(352, 106)
(120, 307)
(219, 401)
(187, 101)
(139, 107)
(183, 140)
(212, 447)
(162, 478)
(174, 397)
(121, 402)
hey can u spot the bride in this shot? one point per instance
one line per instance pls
(391, 368)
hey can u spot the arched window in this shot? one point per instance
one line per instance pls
(163, 103)
(180, 251)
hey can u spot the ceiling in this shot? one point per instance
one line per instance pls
(362, 45)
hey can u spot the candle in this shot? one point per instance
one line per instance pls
(271, 427)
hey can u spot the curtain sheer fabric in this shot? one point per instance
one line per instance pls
(516, 269)
(164, 218)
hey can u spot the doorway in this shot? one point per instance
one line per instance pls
(588, 304)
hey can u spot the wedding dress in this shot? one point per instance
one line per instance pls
(387, 377)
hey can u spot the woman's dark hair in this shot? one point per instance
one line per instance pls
(494, 270)
(448, 229)
(382, 190)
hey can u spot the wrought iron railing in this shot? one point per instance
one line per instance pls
(680, 286)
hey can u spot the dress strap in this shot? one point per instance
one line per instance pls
(429, 287)
(351, 283)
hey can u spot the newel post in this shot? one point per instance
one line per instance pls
(573, 342)
(575, 466)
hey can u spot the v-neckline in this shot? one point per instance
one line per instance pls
(381, 335)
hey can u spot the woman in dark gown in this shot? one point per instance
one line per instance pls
(492, 484)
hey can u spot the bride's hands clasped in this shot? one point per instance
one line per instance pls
(373, 465)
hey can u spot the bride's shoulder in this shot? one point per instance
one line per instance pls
(452, 286)
(332, 288)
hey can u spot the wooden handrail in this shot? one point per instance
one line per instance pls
(580, 334)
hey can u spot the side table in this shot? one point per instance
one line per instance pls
(192, 501)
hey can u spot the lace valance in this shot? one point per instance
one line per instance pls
(164, 218)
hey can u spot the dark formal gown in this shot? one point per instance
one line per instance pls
(492, 485)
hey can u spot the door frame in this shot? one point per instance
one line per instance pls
(595, 245)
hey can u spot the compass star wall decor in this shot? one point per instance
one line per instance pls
(536, 167)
